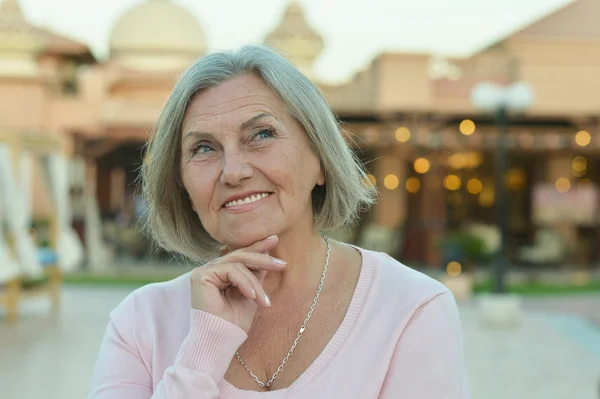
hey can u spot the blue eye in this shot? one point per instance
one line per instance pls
(264, 134)
(201, 148)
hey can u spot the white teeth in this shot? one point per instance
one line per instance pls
(247, 200)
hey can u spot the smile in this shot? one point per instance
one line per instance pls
(248, 200)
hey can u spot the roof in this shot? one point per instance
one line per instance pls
(157, 26)
(578, 19)
(18, 34)
(60, 45)
(575, 20)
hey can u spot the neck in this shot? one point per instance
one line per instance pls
(304, 251)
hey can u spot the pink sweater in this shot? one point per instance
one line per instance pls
(401, 338)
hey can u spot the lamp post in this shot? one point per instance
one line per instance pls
(501, 100)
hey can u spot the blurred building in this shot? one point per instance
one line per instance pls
(430, 152)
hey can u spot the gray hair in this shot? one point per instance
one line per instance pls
(170, 219)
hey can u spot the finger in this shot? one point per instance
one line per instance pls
(222, 277)
(263, 246)
(255, 261)
(242, 283)
(260, 276)
(261, 296)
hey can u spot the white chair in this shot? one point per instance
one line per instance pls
(26, 269)
(381, 238)
(549, 247)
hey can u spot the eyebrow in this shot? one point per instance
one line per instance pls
(254, 119)
(245, 125)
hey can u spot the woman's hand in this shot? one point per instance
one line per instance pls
(230, 287)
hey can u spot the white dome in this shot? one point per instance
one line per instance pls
(157, 34)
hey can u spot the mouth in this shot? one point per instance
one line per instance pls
(246, 200)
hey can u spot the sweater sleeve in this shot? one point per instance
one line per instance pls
(201, 363)
(428, 361)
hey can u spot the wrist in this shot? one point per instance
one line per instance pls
(210, 344)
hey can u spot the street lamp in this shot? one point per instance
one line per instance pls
(490, 97)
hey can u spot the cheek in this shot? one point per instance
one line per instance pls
(285, 166)
(199, 186)
(308, 168)
(298, 170)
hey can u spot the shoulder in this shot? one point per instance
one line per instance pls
(156, 296)
(397, 287)
(151, 308)
(393, 277)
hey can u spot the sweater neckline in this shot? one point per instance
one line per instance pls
(326, 356)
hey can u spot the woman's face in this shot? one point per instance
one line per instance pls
(246, 163)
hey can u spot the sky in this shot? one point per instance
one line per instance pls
(354, 31)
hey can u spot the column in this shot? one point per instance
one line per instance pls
(117, 189)
(432, 212)
(391, 207)
(559, 166)
(98, 254)
(384, 233)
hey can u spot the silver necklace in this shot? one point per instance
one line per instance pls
(300, 332)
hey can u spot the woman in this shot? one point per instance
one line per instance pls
(248, 159)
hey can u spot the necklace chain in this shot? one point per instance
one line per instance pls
(300, 332)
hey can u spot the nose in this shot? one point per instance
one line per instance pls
(236, 170)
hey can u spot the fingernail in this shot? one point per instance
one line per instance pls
(279, 261)
(271, 238)
(253, 294)
(267, 300)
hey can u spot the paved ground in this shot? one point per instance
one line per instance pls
(552, 355)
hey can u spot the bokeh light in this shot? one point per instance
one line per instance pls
(370, 180)
(579, 166)
(452, 182)
(487, 198)
(457, 161)
(413, 185)
(474, 186)
(422, 165)
(583, 138)
(515, 179)
(467, 127)
(391, 182)
(402, 134)
(562, 185)
(453, 268)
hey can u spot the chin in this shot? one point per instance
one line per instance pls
(245, 236)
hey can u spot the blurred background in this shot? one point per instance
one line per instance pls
(478, 121)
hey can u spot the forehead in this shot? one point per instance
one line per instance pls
(233, 99)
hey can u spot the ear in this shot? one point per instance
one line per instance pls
(321, 177)
(192, 203)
